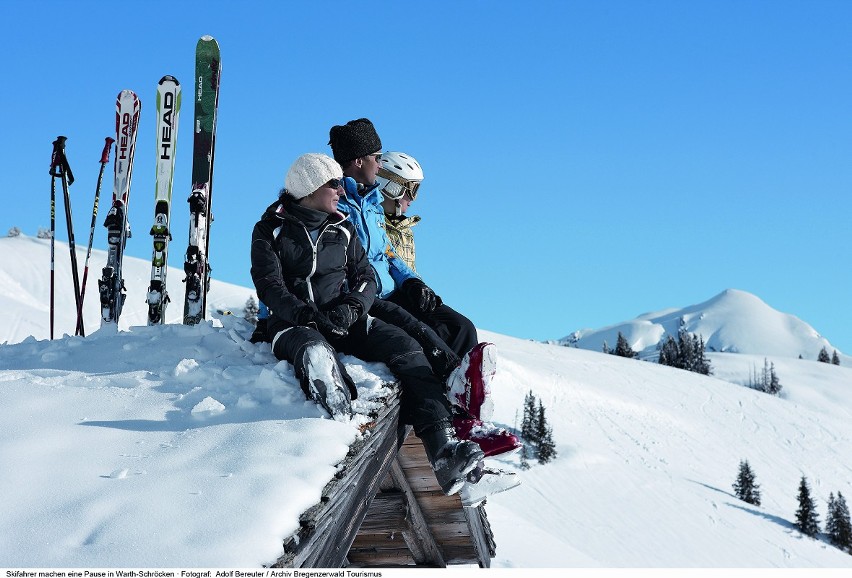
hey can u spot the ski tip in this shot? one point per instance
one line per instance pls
(168, 78)
(207, 38)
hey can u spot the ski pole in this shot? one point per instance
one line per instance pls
(104, 161)
(67, 177)
(54, 162)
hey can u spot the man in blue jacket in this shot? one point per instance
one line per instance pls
(357, 147)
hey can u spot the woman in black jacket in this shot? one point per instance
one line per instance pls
(311, 271)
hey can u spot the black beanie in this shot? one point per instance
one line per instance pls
(355, 139)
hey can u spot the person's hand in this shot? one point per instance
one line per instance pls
(421, 295)
(343, 315)
(327, 327)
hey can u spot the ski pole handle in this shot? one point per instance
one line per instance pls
(107, 148)
(57, 156)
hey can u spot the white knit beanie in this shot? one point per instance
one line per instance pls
(309, 172)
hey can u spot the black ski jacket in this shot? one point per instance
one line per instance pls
(293, 274)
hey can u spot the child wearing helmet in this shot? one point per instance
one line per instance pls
(399, 180)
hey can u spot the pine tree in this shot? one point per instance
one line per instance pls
(684, 349)
(745, 487)
(525, 464)
(835, 359)
(837, 524)
(606, 348)
(14, 232)
(831, 519)
(774, 386)
(823, 356)
(251, 309)
(546, 447)
(766, 380)
(623, 349)
(765, 377)
(807, 520)
(528, 423)
(669, 353)
(539, 425)
(688, 353)
(844, 524)
(544, 434)
(702, 364)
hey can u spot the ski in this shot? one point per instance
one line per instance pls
(196, 264)
(168, 113)
(485, 481)
(111, 284)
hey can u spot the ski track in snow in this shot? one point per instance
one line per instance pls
(639, 442)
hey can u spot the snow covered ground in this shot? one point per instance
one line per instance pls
(183, 446)
(25, 290)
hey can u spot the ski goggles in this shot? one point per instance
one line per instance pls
(397, 186)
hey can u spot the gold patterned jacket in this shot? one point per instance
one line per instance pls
(400, 234)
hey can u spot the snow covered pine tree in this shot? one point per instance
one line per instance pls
(745, 487)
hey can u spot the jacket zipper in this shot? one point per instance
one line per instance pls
(314, 261)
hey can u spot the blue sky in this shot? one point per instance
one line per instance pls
(586, 162)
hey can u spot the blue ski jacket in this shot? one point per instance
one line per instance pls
(366, 213)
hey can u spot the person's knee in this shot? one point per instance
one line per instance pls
(287, 343)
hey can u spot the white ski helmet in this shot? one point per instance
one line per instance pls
(399, 174)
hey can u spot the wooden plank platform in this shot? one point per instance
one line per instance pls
(385, 508)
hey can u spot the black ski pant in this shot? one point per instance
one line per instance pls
(423, 400)
(441, 356)
(455, 329)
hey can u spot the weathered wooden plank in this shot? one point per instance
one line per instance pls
(480, 533)
(460, 555)
(362, 451)
(410, 522)
(380, 557)
(344, 523)
(387, 514)
(328, 529)
(388, 540)
(448, 531)
(420, 540)
(443, 514)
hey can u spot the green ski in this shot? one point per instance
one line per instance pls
(196, 264)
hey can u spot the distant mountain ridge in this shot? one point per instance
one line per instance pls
(733, 321)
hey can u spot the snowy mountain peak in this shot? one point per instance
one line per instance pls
(733, 321)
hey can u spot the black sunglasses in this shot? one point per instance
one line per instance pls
(335, 183)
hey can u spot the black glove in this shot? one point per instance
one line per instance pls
(420, 294)
(344, 315)
(327, 327)
(304, 315)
